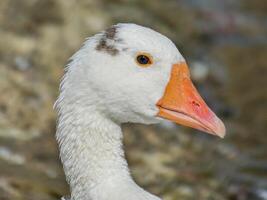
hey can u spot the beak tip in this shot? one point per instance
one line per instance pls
(221, 135)
(221, 131)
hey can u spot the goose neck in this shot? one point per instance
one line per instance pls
(91, 152)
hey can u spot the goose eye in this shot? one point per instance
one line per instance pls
(143, 60)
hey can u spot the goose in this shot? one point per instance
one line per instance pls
(125, 74)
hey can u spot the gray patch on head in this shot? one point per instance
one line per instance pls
(109, 36)
(111, 32)
(125, 49)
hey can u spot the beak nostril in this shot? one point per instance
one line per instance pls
(195, 103)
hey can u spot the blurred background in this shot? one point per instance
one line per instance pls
(225, 44)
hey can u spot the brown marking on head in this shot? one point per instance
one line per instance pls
(112, 51)
(109, 34)
(102, 45)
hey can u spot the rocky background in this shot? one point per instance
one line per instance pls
(225, 43)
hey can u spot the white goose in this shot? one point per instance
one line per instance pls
(127, 73)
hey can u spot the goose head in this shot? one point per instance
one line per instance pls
(135, 74)
(127, 73)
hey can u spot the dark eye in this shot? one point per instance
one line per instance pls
(143, 60)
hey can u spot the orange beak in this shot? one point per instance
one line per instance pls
(182, 104)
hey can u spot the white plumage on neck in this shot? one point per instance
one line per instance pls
(93, 158)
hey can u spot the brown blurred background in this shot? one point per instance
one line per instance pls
(225, 44)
